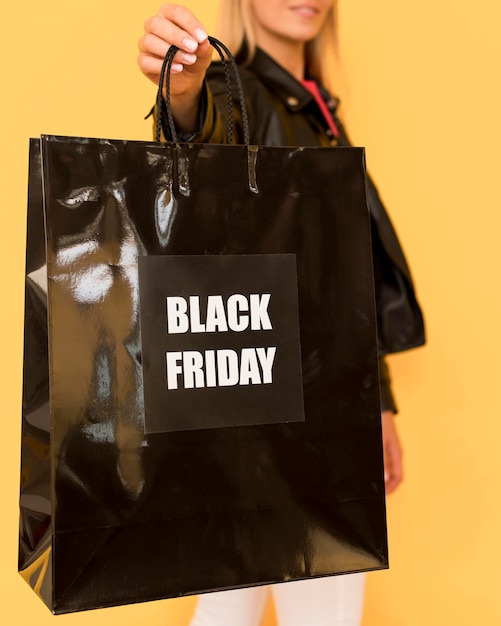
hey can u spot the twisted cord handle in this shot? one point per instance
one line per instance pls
(228, 61)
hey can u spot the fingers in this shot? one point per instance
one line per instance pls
(184, 30)
(392, 453)
(393, 472)
(173, 25)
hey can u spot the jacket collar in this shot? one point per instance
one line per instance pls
(288, 89)
(294, 96)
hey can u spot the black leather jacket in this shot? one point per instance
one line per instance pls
(283, 113)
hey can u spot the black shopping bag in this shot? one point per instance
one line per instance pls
(256, 458)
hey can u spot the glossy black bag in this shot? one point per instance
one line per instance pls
(111, 514)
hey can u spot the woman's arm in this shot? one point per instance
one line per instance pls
(176, 25)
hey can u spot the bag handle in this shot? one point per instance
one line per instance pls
(229, 61)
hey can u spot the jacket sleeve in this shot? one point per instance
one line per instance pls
(399, 317)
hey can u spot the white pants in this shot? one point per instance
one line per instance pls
(331, 601)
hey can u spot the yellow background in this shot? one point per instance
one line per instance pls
(424, 98)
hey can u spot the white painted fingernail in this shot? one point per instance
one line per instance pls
(177, 67)
(200, 34)
(191, 44)
(189, 58)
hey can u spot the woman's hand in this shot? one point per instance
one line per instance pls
(392, 451)
(176, 25)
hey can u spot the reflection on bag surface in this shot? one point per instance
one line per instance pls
(113, 512)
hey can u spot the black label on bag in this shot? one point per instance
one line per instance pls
(220, 341)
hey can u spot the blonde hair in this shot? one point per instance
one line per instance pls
(236, 31)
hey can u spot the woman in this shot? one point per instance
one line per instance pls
(280, 45)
